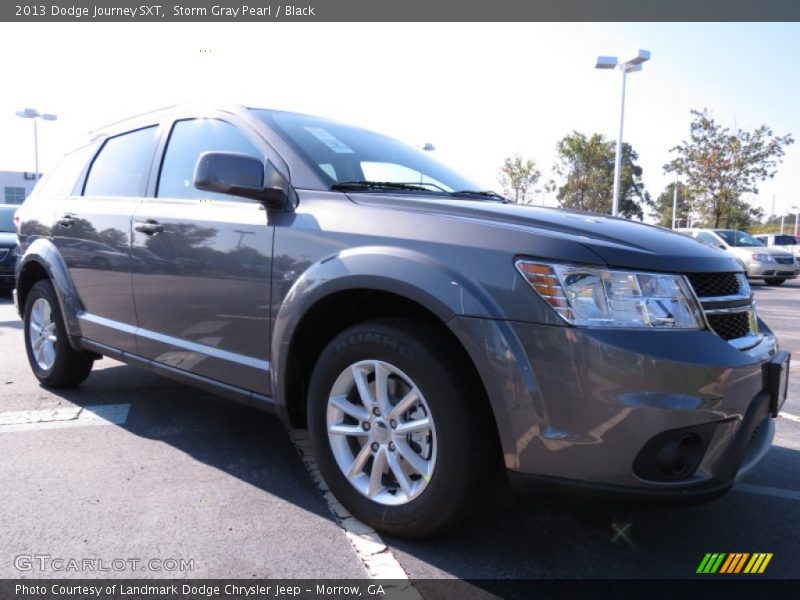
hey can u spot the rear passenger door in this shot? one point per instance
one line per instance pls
(92, 232)
(202, 264)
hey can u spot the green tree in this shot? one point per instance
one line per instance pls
(518, 176)
(662, 207)
(587, 166)
(719, 164)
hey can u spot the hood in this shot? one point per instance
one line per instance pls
(617, 242)
(7, 239)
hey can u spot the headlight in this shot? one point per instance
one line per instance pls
(595, 297)
(766, 258)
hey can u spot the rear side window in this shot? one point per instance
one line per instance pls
(123, 165)
(188, 140)
(61, 181)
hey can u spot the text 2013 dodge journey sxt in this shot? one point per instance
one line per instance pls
(426, 332)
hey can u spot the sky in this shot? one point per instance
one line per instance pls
(479, 92)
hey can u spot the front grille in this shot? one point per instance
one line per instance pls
(3, 254)
(730, 326)
(784, 260)
(707, 285)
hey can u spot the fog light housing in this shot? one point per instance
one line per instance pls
(680, 456)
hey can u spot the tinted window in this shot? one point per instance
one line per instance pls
(122, 167)
(707, 238)
(737, 238)
(188, 140)
(7, 219)
(785, 240)
(60, 182)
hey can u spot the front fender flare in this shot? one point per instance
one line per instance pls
(412, 275)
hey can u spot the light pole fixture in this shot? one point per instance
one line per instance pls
(628, 66)
(32, 113)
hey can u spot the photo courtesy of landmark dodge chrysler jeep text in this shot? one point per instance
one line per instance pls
(426, 332)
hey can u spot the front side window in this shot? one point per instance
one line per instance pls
(341, 154)
(123, 165)
(188, 140)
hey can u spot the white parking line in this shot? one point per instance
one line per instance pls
(763, 490)
(63, 418)
(794, 418)
(378, 560)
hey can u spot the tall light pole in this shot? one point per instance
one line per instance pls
(32, 113)
(629, 66)
(675, 200)
(796, 210)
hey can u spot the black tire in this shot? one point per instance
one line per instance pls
(774, 281)
(70, 367)
(468, 454)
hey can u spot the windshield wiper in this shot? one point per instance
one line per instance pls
(481, 194)
(380, 185)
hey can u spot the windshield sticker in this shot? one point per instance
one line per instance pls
(324, 136)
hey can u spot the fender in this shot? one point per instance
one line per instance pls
(43, 252)
(400, 271)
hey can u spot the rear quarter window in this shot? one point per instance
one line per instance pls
(63, 179)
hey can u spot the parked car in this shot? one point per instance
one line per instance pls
(787, 243)
(427, 332)
(773, 265)
(8, 246)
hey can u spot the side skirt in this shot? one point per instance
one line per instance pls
(230, 392)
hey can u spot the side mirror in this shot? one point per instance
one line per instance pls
(240, 175)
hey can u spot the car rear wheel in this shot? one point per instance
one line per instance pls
(401, 429)
(774, 281)
(54, 362)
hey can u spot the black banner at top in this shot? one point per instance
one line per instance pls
(399, 10)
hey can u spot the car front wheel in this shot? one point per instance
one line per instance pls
(774, 281)
(401, 430)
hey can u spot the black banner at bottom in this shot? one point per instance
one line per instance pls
(378, 589)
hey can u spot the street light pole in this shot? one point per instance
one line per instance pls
(32, 113)
(675, 200)
(796, 210)
(628, 66)
(618, 156)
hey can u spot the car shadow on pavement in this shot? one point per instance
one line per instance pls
(510, 537)
(245, 443)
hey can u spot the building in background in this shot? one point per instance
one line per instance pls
(15, 186)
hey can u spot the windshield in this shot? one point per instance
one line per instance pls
(342, 154)
(7, 219)
(737, 238)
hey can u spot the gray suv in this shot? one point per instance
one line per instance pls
(426, 332)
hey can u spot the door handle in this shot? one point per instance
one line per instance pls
(66, 220)
(148, 227)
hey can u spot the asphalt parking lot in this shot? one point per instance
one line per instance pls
(178, 474)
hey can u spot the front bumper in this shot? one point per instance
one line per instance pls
(771, 270)
(579, 407)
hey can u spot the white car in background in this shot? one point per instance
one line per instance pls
(780, 241)
(772, 264)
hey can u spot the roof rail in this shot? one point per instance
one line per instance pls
(93, 133)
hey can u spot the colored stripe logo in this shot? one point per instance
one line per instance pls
(734, 563)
